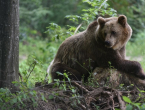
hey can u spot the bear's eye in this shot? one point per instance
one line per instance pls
(113, 32)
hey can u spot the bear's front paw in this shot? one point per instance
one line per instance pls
(141, 74)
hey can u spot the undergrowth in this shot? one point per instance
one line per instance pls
(40, 52)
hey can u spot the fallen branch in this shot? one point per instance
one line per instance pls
(121, 102)
(80, 87)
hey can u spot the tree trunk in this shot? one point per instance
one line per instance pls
(9, 42)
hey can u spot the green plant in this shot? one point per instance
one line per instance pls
(138, 103)
(34, 50)
(133, 105)
(19, 99)
(96, 8)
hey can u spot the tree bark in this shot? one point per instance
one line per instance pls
(9, 42)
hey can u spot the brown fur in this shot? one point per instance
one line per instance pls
(80, 54)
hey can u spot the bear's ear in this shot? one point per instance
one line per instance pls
(101, 21)
(122, 20)
(93, 24)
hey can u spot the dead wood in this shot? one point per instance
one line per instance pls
(121, 102)
(114, 78)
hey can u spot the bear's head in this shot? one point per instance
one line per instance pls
(114, 31)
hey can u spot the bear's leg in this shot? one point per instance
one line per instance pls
(123, 52)
(126, 66)
(62, 68)
(131, 67)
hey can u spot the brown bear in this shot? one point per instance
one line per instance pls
(102, 42)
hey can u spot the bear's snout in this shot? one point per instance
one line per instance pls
(107, 43)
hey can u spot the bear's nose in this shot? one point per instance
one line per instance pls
(107, 43)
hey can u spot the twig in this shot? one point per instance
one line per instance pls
(111, 98)
(50, 85)
(121, 103)
(34, 63)
(95, 92)
(103, 3)
(85, 103)
(107, 92)
(126, 92)
(80, 87)
(20, 76)
(82, 106)
(77, 28)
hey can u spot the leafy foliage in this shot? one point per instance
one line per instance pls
(132, 105)
(96, 8)
(10, 100)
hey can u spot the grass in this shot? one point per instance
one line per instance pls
(35, 50)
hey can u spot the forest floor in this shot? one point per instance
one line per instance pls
(73, 95)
